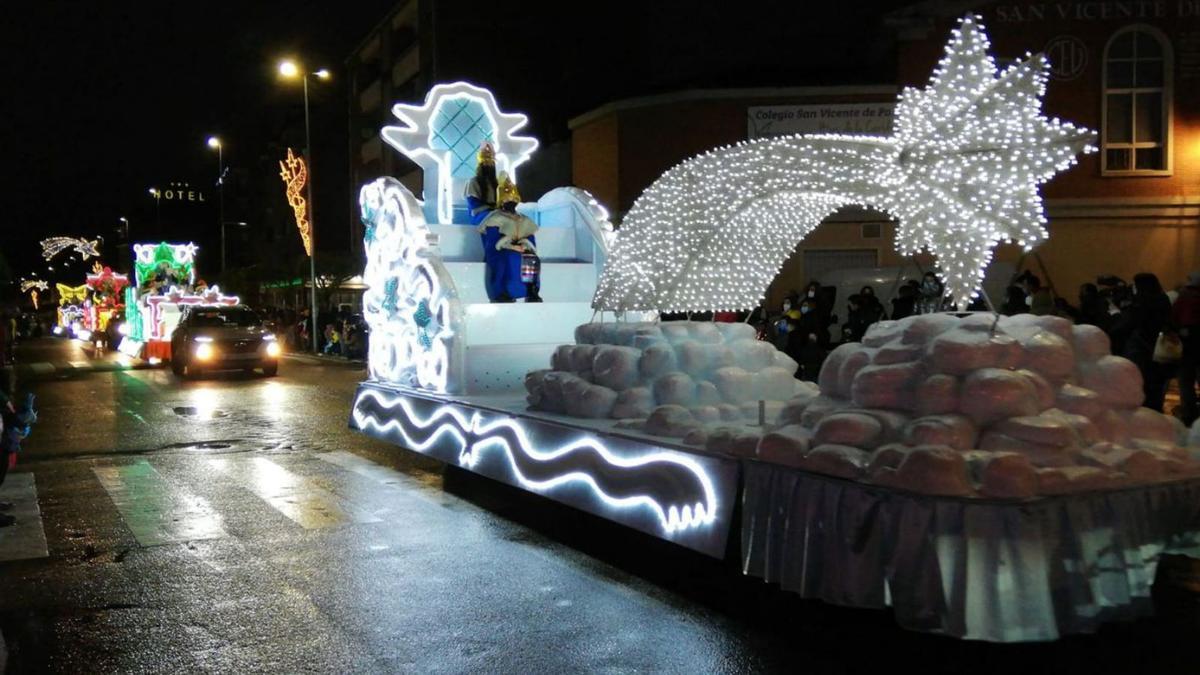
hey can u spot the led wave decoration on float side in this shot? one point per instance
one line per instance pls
(671, 486)
(960, 175)
(465, 106)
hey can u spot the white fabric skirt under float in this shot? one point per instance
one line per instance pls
(974, 569)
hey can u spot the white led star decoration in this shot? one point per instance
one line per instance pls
(471, 113)
(55, 245)
(960, 174)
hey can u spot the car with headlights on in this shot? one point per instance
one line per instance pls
(223, 338)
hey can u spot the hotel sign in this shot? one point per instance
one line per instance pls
(178, 192)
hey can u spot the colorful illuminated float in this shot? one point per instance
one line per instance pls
(71, 310)
(986, 477)
(165, 283)
(107, 289)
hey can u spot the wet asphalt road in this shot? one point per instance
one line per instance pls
(235, 524)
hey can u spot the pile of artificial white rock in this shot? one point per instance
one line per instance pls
(1007, 408)
(973, 405)
(667, 379)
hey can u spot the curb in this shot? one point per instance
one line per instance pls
(326, 360)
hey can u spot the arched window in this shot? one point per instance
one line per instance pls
(1137, 103)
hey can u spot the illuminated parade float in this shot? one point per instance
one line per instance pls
(987, 477)
(165, 283)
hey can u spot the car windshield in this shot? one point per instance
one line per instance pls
(217, 317)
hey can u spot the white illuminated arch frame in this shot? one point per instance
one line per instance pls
(414, 140)
(960, 174)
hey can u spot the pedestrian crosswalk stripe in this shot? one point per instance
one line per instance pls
(26, 538)
(298, 498)
(155, 511)
(404, 486)
(364, 467)
(41, 368)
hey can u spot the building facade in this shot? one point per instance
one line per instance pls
(1129, 70)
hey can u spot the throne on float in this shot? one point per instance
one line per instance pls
(432, 325)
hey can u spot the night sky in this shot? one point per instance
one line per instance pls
(105, 99)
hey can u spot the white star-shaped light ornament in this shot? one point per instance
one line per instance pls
(446, 131)
(960, 174)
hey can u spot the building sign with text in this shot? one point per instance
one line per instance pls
(819, 118)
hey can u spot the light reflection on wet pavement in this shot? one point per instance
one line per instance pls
(235, 524)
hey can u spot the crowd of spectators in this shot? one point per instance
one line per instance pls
(1156, 329)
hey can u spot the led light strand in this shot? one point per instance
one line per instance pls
(294, 172)
(415, 138)
(672, 519)
(960, 174)
(55, 245)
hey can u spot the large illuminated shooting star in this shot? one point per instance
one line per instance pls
(85, 248)
(960, 174)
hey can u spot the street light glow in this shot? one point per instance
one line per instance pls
(323, 74)
(153, 192)
(214, 142)
(288, 68)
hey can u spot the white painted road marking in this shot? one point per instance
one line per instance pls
(365, 467)
(26, 538)
(155, 511)
(298, 498)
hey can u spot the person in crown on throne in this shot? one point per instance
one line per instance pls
(481, 202)
(516, 271)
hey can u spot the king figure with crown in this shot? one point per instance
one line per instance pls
(509, 248)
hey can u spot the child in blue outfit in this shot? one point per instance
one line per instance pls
(15, 424)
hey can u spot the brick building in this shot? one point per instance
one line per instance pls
(1129, 70)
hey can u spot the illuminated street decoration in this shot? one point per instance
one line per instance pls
(68, 295)
(443, 136)
(34, 284)
(55, 245)
(294, 172)
(33, 295)
(960, 174)
(672, 486)
(405, 304)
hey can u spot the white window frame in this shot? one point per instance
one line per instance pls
(1167, 89)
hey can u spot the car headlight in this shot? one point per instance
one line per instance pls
(205, 351)
(273, 349)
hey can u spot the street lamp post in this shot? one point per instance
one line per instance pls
(154, 192)
(215, 143)
(289, 69)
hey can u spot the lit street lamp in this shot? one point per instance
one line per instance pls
(154, 192)
(125, 220)
(215, 144)
(291, 70)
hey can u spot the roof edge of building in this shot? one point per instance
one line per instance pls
(687, 95)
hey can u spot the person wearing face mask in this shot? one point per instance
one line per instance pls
(785, 321)
(932, 292)
(808, 341)
(871, 304)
